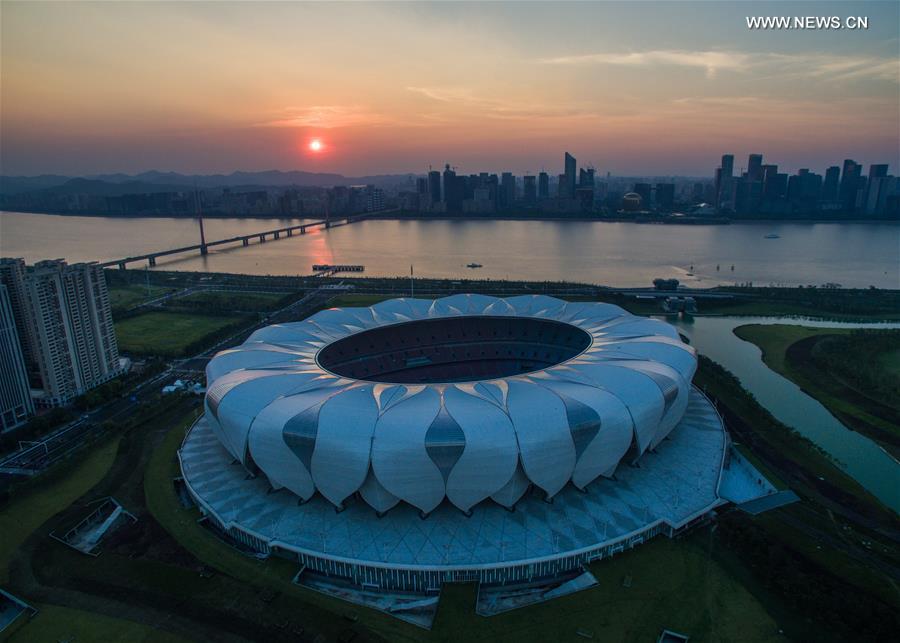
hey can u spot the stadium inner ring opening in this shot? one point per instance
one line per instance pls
(453, 349)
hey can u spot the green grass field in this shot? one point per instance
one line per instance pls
(38, 501)
(35, 504)
(55, 490)
(852, 406)
(774, 340)
(220, 300)
(124, 297)
(675, 584)
(168, 333)
(831, 499)
(54, 623)
(890, 363)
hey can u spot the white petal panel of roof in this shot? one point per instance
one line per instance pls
(460, 399)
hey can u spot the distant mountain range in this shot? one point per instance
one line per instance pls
(154, 181)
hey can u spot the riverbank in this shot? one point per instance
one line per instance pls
(794, 352)
(845, 304)
(838, 528)
(644, 218)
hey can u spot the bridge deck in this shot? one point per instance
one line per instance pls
(244, 238)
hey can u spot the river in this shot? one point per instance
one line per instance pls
(860, 457)
(615, 254)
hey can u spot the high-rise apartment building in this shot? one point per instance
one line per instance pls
(64, 317)
(15, 393)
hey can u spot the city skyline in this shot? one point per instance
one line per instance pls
(390, 88)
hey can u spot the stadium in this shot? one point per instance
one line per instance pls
(392, 448)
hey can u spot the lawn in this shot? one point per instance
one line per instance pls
(833, 508)
(46, 496)
(230, 300)
(890, 364)
(54, 623)
(169, 333)
(33, 506)
(122, 298)
(789, 350)
(306, 606)
(675, 584)
(774, 340)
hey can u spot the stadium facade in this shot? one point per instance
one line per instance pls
(416, 442)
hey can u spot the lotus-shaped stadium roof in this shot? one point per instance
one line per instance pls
(464, 398)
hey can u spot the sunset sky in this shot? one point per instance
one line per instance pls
(639, 88)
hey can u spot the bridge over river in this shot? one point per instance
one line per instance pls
(245, 239)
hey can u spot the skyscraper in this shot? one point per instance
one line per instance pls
(878, 171)
(507, 190)
(723, 182)
(771, 184)
(644, 189)
(754, 167)
(830, 186)
(727, 165)
(453, 193)
(586, 177)
(543, 185)
(529, 188)
(15, 394)
(67, 320)
(849, 184)
(665, 196)
(570, 165)
(434, 186)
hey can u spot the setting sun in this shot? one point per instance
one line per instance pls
(315, 145)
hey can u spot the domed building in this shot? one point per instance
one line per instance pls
(414, 442)
(632, 202)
